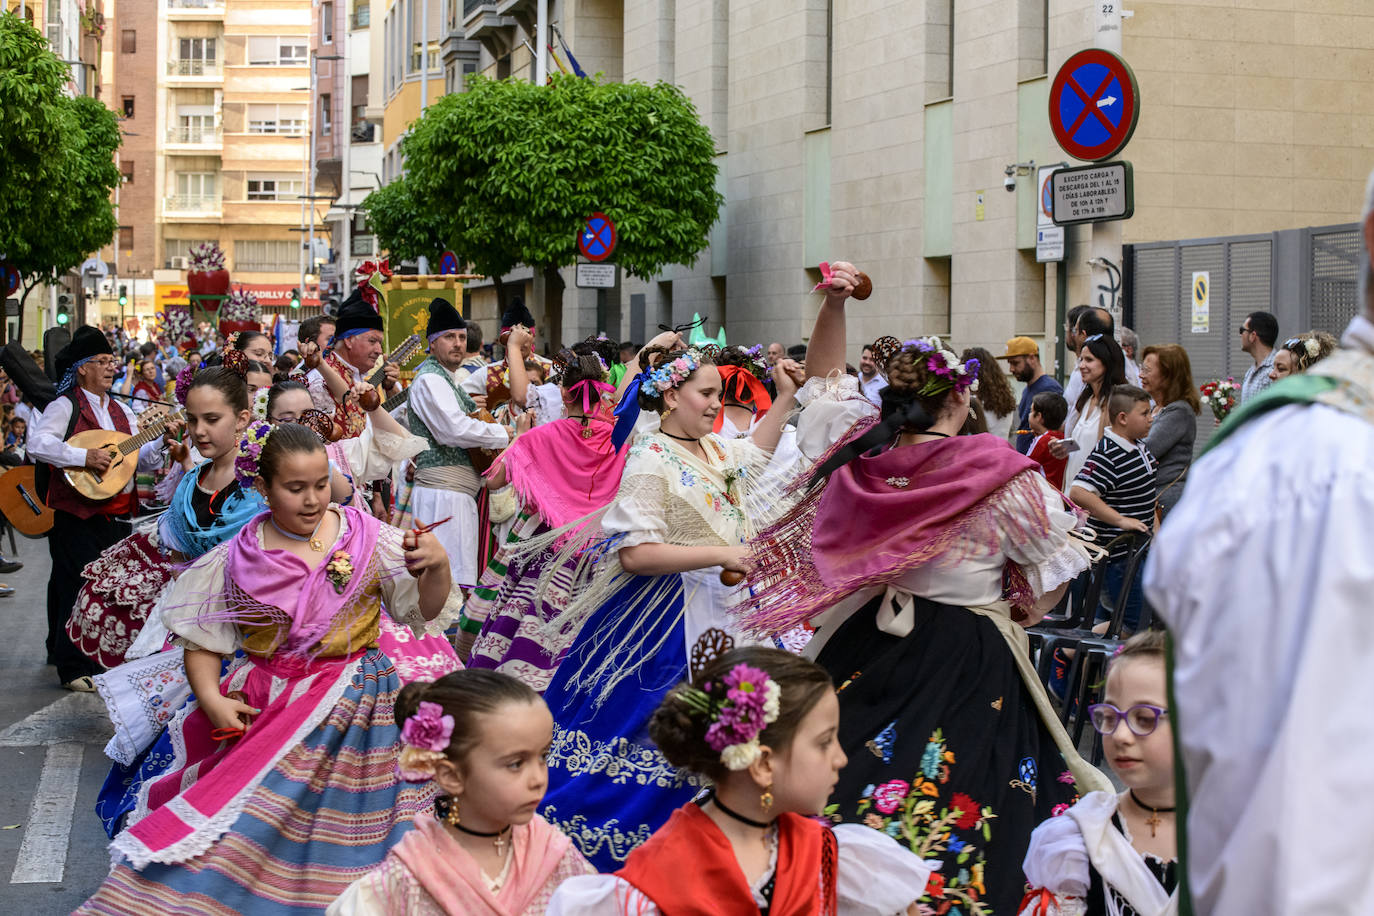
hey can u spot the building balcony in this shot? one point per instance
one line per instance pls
(193, 206)
(194, 139)
(194, 72)
(483, 22)
(192, 10)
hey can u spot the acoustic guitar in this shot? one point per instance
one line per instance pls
(123, 451)
(22, 505)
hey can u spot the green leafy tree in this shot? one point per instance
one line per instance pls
(510, 170)
(56, 163)
(410, 230)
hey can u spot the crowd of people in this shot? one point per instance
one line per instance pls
(544, 633)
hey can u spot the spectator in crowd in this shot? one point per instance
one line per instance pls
(140, 380)
(1073, 341)
(318, 329)
(1100, 366)
(628, 349)
(474, 360)
(1298, 354)
(871, 381)
(1130, 344)
(1047, 412)
(775, 353)
(1167, 377)
(16, 441)
(994, 392)
(1117, 488)
(1023, 361)
(1258, 334)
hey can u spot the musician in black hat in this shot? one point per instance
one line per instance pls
(358, 342)
(82, 527)
(495, 383)
(445, 482)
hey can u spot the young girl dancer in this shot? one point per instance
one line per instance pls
(481, 737)
(1111, 855)
(283, 790)
(677, 522)
(561, 472)
(762, 725)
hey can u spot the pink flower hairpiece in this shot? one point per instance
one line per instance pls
(424, 740)
(751, 704)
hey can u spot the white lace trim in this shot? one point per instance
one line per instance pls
(836, 387)
(210, 828)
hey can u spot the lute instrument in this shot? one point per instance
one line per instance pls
(123, 451)
(21, 503)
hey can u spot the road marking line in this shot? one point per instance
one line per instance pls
(43, 853)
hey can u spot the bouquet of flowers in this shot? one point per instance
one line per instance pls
(207, 256)
(176, 323)
(240, 306)
(1220, 395)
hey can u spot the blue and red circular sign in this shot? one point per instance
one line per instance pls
(1094, 105)
(10, 278)
(597, 238)
(448, 263)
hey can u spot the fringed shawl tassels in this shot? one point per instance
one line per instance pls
(880, 516)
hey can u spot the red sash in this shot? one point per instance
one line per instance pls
(690, 844)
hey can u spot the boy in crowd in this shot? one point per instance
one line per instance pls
(1117, 488)
(1046, 423)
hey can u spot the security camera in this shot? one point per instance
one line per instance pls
(1009, 183)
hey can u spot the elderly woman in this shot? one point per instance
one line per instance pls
(1167, 376)
(1298, 354)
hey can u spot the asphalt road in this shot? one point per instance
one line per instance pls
(52, 761)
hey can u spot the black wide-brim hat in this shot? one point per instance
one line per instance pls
(86, 342)
(356, 315)
(443, 317)
(516, 313)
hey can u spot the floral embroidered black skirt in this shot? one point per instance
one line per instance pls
(947, 753)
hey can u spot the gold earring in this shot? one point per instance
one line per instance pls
(766, 799)
(452, 816)
(667, 412)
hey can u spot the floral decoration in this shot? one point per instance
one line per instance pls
(669, 375)
(372, 274)
(945, 368)
(1221, 395)
(183, 382)
(750, 704)
(207, 256)
(240, 306)
(424, 739)
(176, 323)
(339, 569)
(250, 451)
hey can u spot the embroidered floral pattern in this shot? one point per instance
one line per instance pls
(590, 839)
(621, 760)
(714, 498)
(911, 812)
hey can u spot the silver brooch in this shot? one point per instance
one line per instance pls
(899, 482)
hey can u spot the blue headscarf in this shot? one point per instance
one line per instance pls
(69, 377)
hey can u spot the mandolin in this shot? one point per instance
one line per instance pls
(21, 503)
(400, 356)
(123, 451)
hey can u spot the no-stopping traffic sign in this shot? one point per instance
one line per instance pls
(597, 238)
(1094, 105)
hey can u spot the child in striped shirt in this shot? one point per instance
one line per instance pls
(1117, 488)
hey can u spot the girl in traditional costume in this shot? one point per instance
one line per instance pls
(919, 555)
(481, 737)
(1110, 854)
(679, 519)
(762, 725)
(560, 472)
(207, 507)
(283, 790)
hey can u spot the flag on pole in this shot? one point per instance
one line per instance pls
(577, 68)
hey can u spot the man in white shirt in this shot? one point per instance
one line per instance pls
(358, 342)
(82, 527)
(446, 483)
(1273, 664)
(871, 381)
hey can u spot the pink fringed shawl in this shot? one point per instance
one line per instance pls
(565, 471)
(452, 877)
(880, 516)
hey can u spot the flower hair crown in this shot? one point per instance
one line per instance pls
(250, 451)
(671, 374)
(750, 704)
(424, 741)
(945, 368)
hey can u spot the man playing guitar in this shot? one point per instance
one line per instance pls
(358, 342)
(82, 527)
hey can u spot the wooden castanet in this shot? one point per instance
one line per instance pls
(21, 504)
(864, 288)
(730, 578)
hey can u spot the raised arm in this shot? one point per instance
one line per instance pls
(825, 349)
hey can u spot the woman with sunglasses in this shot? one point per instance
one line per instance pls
(1117, 854)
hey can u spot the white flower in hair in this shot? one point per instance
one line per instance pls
(772, 703)
(738, 757)
(1312, 346)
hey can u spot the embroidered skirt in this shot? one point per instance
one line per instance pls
(947, 753)
(121, 585)
(513, 603)
(280, 820)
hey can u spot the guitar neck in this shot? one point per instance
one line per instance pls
(398, 355)
(396, 400)
(144, 436)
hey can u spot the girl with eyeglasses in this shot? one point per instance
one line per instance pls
(1117, 855)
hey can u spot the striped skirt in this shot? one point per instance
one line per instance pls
(280, 820)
